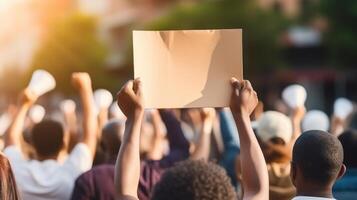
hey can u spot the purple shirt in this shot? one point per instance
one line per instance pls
(98, 183)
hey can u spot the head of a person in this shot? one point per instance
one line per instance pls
(348, 140)
(194, 180)
(274, 132)
(8, 188)
(48, 138)
(317, 160)
(112, 134)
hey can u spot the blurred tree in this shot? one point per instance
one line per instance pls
(72, 45)
(342, 35)
(261, 28)
(308, 10)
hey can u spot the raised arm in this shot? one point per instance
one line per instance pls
(204, 141)
(102, 120)
(127, 169)
(156, 152)
(83, 84)
(70, 120)
(296, 118)
(14, 133)
(254, 170)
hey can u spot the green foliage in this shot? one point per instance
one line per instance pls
(342, 35)
(72, 45)
(261, 28)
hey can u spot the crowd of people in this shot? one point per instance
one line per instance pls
(240, 152)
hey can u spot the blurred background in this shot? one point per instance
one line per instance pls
(311, 42)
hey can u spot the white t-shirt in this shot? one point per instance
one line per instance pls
(311, 198)
(49, 179)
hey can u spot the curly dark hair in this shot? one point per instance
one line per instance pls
(194, 180)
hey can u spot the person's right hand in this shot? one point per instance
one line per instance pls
(244, 99)
(81, 80)
(130, 99)
(28, 97)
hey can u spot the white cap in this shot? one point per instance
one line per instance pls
(274, 124)
(41, 82)
(103, 98)
(315, 120)
(37, 113)
(294, 95)
(342, 108)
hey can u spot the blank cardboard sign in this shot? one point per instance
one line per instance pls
(187, 68)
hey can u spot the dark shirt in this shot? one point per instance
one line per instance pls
(346, 187)
(98, 183)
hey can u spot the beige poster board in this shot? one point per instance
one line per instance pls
(187, 68)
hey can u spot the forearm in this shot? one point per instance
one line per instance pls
(254, 169)
(296, 131)
(203, 145)
(128, 161)
(156, 151)
(102, 120)
(90, 125)
(13, 135)
(71, 121)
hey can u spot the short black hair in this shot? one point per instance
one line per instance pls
(348, 140)
(47, 137)
(318, 155)
(194, 180)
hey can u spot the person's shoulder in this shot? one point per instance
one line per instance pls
(103, 169)
(98, 171)
(80, 147)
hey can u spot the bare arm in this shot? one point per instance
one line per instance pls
(203, 145)
(14, 133)
(127, 169)
(296, 118)
(70, 119)
(337, 125)
(254, 169)
(83, 84)
(156, 152)
(102, 120)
